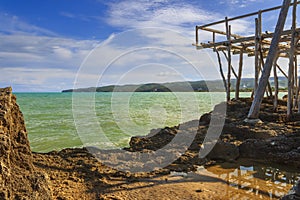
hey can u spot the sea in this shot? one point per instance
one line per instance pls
(53, 122)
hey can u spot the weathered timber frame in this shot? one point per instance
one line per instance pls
(266, 48)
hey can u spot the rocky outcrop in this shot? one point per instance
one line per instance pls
(274, 139)
(18, 177)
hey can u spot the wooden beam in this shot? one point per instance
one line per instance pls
(233, 71)
(291, 65)
(246, 39)
(263, 64)
(286, 76)
(219, 32)
(238, 81)
(228, 32)
(221, 70)
(296, 81)
(283, 46)
(220, 63)
(276, 85)
(246, 15)
(197, 35)
(298, 88)
(298, 98)
(256, 55)
(255, 107)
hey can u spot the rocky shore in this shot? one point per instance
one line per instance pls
(76, 174)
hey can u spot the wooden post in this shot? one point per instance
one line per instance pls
(256, 60)
(296, 82)
(290, 87)
(291, 65)
(298, 85)
(276, 85)
(220, 63)
(228, 32)
(238, 80)
(286, 76)
(233, 71)
(298, 98)
(295, 58)
(296, 72)
(197, 36)
(221, 70)
(269, 85)
(255, 107)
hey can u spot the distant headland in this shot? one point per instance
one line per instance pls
(247, 84)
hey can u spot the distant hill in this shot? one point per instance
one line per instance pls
(197, 86)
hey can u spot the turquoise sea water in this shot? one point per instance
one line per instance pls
(51, 126)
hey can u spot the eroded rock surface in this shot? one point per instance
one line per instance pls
(273, 140)
(18, 177)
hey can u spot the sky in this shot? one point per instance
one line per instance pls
(52, 45)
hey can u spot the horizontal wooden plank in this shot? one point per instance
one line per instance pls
(243, 16)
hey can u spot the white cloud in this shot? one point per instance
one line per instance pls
(146, 55)
(167, 14)
(32, 79)
(62, 52)
(11, 24)
(67, 14)
(43, 51)
(144, 48)
(36, 59)
(180, 16)
(81, 17)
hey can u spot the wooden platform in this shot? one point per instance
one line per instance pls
(266, 48)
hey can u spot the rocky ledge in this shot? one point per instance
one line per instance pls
(272, 139)
(19, 179)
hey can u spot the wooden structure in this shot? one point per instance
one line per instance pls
(266, 48)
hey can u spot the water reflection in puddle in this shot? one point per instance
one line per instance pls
(262, 182)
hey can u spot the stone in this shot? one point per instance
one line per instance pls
(253, 121)
(18, 176)
(224, 151)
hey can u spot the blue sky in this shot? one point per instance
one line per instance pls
(51, 45)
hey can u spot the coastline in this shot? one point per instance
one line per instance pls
(76, 174)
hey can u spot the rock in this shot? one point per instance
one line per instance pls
(285, 97)
(18, 177)
(205, 119)
(294, 193)
(297, 188)
(252, 121)
(224, 151)
(290, 197)
(280, 149)
(153, 141)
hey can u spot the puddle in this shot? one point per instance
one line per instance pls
(262, 182)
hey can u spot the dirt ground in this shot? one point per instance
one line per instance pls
(75, 174)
